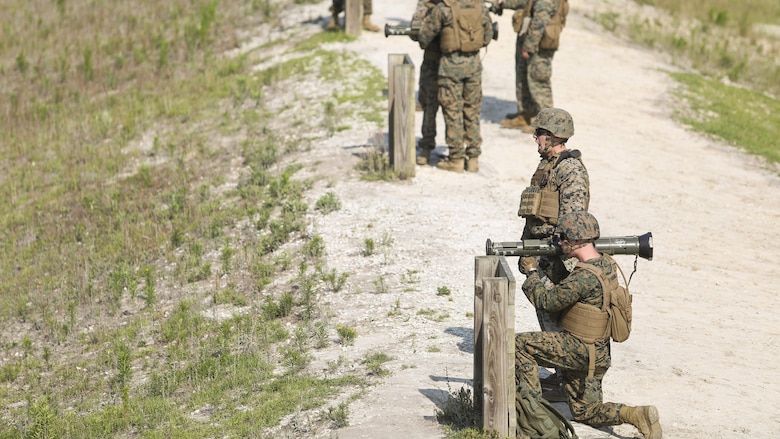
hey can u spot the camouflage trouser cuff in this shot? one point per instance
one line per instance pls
(473, 152)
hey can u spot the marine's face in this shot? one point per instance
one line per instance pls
(543, 141)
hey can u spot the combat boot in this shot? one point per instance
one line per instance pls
(472, 164)
(644, 418)
(333, 24)
(453, 165)
(518, 123)
(367, 25)
(424, 157)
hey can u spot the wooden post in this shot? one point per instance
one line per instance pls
(494, 343)
(401, 113)
(353, 17)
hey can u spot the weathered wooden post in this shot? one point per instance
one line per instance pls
(400, 92)
(494, 343)
(353, 17)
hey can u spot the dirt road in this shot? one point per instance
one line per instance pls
(705, 344)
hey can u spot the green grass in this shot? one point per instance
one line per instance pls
(742, 117)
(124, 238)
(716, 42)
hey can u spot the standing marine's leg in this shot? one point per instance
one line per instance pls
(451, 101)
(367, 11)
(521, 119)
(472, 111)
(540, 80)
(429, 100)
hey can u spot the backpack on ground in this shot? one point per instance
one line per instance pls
(538, 419)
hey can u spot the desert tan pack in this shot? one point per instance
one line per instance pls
(617, 301)
(467, 33)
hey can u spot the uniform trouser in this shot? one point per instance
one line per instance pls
(461, 105)
(338, 6)
(429, 99)
(533, 85)
(569, 354)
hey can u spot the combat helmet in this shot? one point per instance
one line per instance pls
(556, 121)
(578, 225)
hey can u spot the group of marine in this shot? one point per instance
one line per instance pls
(567, 290)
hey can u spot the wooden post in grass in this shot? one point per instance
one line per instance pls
(400, 93)
(494, 344)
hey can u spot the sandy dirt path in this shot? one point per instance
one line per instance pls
(704, 348)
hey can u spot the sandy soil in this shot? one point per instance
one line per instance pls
(704, 348)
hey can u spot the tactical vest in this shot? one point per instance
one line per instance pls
(541, 199)
(467, 33)
(552, 32)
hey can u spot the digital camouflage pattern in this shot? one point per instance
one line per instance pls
(533, 86)
(566, 174)
(459, 82)
(428, 88)
(578, 225)
(555, 120)
(565, 352)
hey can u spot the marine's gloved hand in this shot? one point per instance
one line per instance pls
(526, 264)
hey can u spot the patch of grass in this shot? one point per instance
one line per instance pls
(347, 334)
(374, 364)
(741, 117)
(328, 203)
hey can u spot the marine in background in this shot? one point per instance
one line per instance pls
(337, 7)
(538, 24)
(428, 88)
(462, 28)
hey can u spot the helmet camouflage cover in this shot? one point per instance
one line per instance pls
(556, 121)
(578, 225)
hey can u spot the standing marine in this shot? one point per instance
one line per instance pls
(538, 24)
(462, 27)
(428, 88)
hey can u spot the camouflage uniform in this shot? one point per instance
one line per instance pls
(429, 76)
(533, 87)
(338, 6)
(570, 178)
(565, 352)
(460, 82)
(564, 173)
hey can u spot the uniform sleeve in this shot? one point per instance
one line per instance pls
(488, 26)
(419, 13)
(431, 25)
(554, 299)
(573, 186)
(579, 286)
(543, 11)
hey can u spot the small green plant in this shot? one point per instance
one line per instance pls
(348, 334)
(374, 364)
(396, 309)
(459, 410)
(338, 416)
(368, 247)
(334, 282)
(381, 285)
(434, 349)
(315, 248)
(328, 203)
(443, 291)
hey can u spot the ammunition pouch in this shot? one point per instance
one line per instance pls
(540, 204)
(587, 322)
